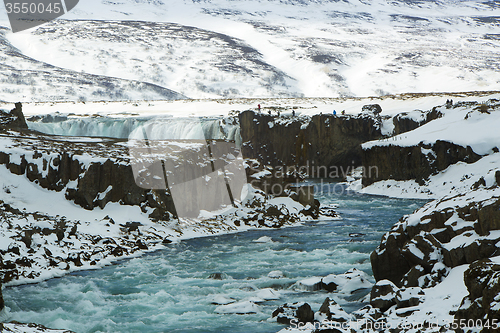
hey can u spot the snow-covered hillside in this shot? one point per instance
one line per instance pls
(225, 48)
(464, 124)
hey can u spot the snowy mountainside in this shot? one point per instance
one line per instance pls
(262, 49)
(170, 55)
(23, 76)
(471, 125)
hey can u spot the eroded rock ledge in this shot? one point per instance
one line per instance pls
(420, 248)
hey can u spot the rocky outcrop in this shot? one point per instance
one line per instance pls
(300, 311)
(332, 312)
(403, 122)
(482, 279)
(329, 141)
(322, 140)
(420, 251)
(13, 119)
(383, 295)
(413, 162)
(16, 327)
(41, 244)
(91, 174)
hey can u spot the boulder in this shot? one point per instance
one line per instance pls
(300, 311)
(374, 108)
(408, 297)
(13, 119)
(310, 284)
(482, 279)
(331, 311)
(348, 283)
(217, 276)
(383, 295)
(388, 261)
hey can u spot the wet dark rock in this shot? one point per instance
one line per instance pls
(300, 311)
(312, 210)
(217, 276)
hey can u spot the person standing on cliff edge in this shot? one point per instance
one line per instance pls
(258, 106)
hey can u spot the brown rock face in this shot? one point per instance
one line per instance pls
(413, 254)
(299, 311)
(58, 164)
(482, 279)
(415, 162)
(403, 124)
(323, 140)
(383, 295)
(13, 119)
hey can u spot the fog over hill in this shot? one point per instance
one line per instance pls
(142, 49)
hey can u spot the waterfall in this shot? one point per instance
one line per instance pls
(121, 127)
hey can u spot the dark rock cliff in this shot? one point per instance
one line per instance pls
(418, 253)
(322, 140)
(413, 162)
(482, 279)
(403, 123)
(92, 174)
(13, 119)
(421, 249)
